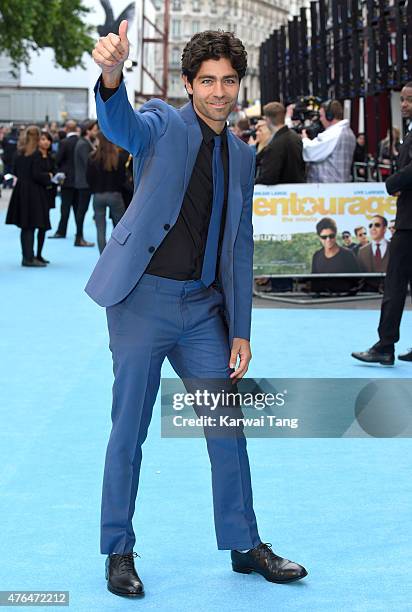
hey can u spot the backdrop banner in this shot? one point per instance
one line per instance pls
(285, 218)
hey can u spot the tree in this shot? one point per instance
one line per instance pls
(30, 25)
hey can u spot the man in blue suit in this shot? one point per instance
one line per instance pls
(176, 281)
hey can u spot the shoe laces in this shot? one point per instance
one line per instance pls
(126, 562)
(264, 548)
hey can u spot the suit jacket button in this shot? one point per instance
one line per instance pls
(151, 249)
(166, 226)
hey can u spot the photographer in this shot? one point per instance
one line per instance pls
(330, 154)
(282, 160)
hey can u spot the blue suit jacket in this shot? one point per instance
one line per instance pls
(165, 142)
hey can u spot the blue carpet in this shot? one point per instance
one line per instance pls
(341, 507)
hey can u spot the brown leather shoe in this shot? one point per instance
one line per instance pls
(264, 561)
(81, 242)
(406, 356)
(33, 263)
(121, 575)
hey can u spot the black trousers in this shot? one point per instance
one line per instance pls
(398, 278)
(69, 196)
(83, 201)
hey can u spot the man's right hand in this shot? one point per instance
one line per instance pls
(110, 53)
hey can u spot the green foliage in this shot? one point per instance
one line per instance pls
(289, 256)
(29, 25)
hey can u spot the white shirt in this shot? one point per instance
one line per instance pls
(383, 244)
(323, 145)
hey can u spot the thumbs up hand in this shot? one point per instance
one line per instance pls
(110, 53)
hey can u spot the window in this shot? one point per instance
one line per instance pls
(195, 27)
(175, 86)
(196, 6)
(177, 5)
(176, 32)
(175, 56)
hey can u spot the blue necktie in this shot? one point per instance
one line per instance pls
(212, 242)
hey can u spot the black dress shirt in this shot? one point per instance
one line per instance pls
(180, 255)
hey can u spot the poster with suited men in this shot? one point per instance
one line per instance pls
(322, 228)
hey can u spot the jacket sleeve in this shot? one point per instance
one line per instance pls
(82, 151)
(401, 180)
(271, 165)
(243, 263)
(318, 149)
(363, 259)
(91, 175)
(132, 130)
(61, 154)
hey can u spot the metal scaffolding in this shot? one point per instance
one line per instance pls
(162, 38)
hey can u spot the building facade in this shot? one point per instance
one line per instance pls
(251, 20)
(47, 92)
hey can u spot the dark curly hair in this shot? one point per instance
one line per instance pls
(213, 44)
(326, 223)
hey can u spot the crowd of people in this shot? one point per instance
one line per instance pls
(76, 162)
(285, 154)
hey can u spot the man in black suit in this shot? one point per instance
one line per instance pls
(65, 163)
(374, 256)
(399, 272)
(282, 160)
(84, 146)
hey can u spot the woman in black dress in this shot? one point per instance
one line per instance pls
(44, 168)
(29, 204)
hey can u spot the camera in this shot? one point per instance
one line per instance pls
(249, 133)
(252, 131)
(306, 116)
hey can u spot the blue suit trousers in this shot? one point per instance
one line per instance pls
(183, 321)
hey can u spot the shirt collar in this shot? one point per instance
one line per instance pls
(339, 125)
(207, 132)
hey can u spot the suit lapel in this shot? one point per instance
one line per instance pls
(194, 140)
(234, 199)
(404, 158)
